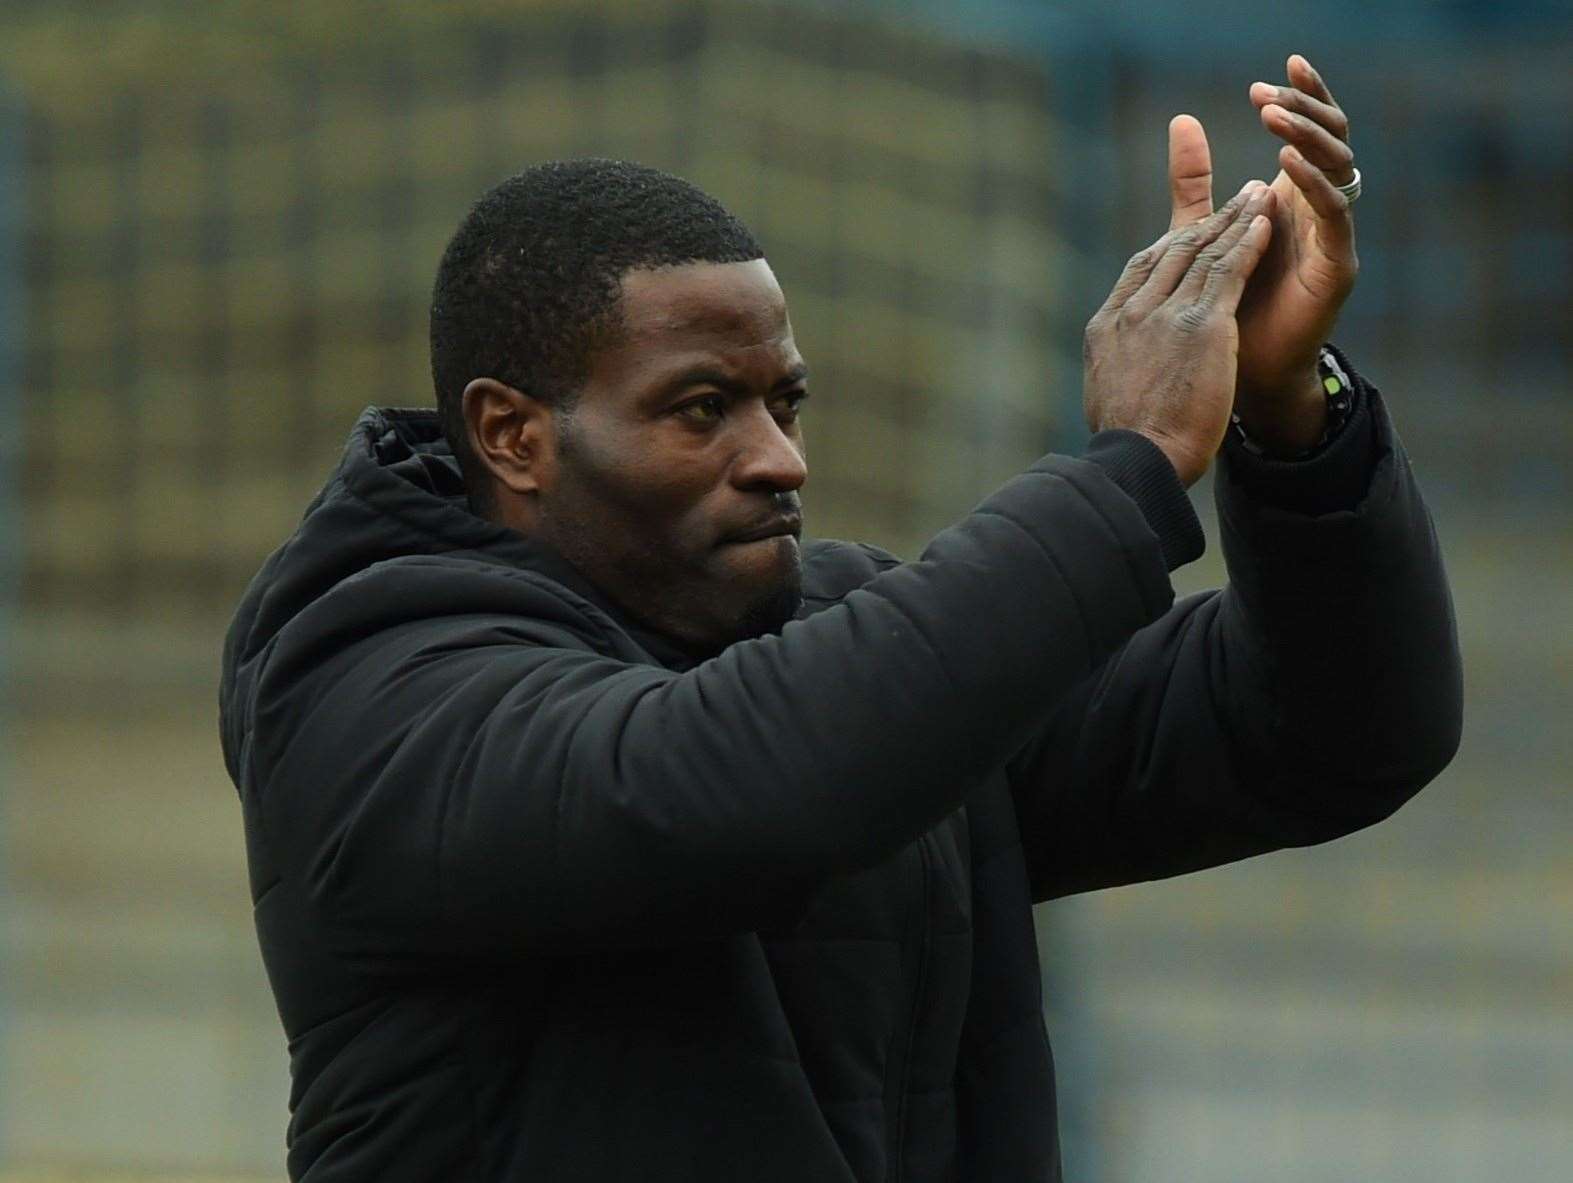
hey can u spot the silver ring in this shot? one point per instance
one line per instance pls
(1351, 191)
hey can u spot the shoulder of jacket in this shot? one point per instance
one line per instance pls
(460, 583)
(426, 593)
(832, 568)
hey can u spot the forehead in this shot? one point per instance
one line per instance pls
(735, 303)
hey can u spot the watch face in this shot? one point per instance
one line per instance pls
(1339, 391)
(1333, 377)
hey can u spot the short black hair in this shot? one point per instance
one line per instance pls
(530, 281)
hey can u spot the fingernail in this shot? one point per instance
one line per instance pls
(1272, 91)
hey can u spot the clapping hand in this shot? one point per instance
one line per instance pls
(1295, 294)
(1159, 356)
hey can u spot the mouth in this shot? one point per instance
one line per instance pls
(776, 527)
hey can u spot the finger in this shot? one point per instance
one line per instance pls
(1182, 248)
(1190, 288)
(1334, 222)
(1318, 145)
(1190, 172)
(1328, 115)
(1225, 282)
(1137, 268)
(1304, 75)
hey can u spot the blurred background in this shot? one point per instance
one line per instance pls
(218, 227)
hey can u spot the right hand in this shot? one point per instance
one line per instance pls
(1160, 356)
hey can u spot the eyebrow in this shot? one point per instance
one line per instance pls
(704, 375)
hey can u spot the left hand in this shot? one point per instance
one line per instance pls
(1295, 295)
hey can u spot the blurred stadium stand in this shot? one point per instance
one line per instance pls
(229, 218)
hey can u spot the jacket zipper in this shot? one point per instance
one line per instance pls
(896, 1169)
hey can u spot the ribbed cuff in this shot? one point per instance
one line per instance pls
(1333, 478)
(1139, 467)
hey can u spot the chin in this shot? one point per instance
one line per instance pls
(744, 591)
(766, 561)
(774, 590)
(769, 613)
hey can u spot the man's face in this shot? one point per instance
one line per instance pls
(678, 467)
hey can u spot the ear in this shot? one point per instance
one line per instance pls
(511, 434)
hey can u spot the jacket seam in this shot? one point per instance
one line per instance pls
(1011, 1027)
(1059, 574)
(557, 818)
(1002, 852)
(292, 1036)
(899, 1156)
(927, 643)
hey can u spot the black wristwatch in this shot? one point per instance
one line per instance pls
(1340, 393)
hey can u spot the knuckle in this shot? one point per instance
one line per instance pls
(1142, 258)
(1339, 123)
(1193, 318)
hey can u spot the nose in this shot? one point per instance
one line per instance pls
(769, 456)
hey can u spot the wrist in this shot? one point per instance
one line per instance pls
(1147, 475)
(1189, 465)
(1288, 421)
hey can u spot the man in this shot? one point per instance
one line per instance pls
(599, 830)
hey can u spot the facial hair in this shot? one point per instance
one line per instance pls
(651, 584)
(770, 611)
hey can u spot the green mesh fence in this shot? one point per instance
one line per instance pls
(224, 267)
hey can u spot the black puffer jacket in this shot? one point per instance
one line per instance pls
(542, 898)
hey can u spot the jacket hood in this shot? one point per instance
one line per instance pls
(396, 492)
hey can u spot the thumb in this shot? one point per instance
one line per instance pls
(1190, 172)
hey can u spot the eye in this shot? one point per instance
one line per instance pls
(708, 409)
(787, 407)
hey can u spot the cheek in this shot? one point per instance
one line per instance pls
(672, 488)
(653, 492)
